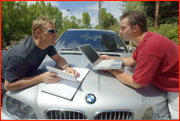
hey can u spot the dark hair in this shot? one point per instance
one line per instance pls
(136, 17)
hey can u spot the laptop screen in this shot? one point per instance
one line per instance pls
(90, 53)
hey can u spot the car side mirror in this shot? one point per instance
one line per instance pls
(131, 49)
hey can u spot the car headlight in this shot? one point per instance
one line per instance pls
(18, 109)
(148, 114)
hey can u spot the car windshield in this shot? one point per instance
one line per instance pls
(100, 40)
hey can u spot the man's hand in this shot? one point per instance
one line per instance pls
(49, 77)
(105, 57)
(72, 71)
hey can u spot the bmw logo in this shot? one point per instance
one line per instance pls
(90, 98)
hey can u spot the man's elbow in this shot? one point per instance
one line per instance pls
(133, 63)
(7, 87)
(137, 86)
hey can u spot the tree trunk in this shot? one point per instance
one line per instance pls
(157, 14)
(8, 41)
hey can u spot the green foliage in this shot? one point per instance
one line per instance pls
(170, 31)
(150, 22)
(174, 35)
(168, 11)
(133, 6)
(86, 20)
(40, 8)
(17, 18)
(169, 17)
(107, 19)
(13, 18)
(68, 23)
(115, 28)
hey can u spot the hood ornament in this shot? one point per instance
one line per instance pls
(90, 98)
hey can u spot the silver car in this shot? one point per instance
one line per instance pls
(113, 99)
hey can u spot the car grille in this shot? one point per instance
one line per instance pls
(100, 115)
(114, 115)
(64, 114)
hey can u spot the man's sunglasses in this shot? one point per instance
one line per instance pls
(51, 31)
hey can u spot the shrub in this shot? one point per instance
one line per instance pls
(170, 31)
(174, 35)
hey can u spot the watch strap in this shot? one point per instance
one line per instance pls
(67, 66)
(112, 71)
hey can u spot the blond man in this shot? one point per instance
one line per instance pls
(23, 59)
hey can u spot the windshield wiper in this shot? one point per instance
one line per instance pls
(70, 49)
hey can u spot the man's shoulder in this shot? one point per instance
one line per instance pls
(157, 45)
(22, 49)
(155, 38)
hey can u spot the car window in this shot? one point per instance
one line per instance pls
(100, 40)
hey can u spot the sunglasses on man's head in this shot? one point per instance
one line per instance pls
(51, 31)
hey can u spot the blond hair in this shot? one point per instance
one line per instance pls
(39, 23)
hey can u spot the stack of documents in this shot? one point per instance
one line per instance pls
(68, 85)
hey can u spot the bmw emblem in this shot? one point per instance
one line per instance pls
(90, 98)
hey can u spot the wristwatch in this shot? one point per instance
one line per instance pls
(67, 66)
(112, 71)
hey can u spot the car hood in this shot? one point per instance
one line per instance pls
(110, 93)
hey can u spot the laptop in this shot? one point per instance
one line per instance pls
(95, 60)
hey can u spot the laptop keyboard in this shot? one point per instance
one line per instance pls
(105, 63)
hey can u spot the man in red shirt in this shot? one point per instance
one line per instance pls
(156, 57)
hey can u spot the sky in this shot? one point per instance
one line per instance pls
(78, 7)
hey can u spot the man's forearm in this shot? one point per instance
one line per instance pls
(22, 83)
(61, 62)
(125, 78)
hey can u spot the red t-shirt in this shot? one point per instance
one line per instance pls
(157, 62)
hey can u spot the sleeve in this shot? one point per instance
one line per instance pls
(17, 68)
(52, 51)
(147, 66)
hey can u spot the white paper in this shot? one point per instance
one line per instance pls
(65, 88)
(82, 72)
(61, 74)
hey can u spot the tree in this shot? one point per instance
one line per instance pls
(168, 16)
(71, 22)
(74, 22)
(13, 20)
(107, 19)
(133, 6)
(40, 8)
(17, 17)
(86, 20)
(168, 11)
